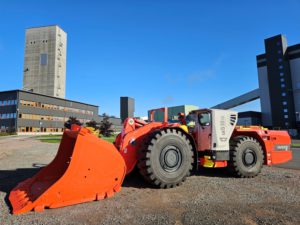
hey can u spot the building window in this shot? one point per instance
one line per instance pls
(278, 43)
(279, 52)
(283, 85)
(44, 59)
(283, 94)
(286, 116)
(279, 59)
(280, 67)
(285, 110)
(286, 123)
(284, 103)
(282, 79)
(281, 74)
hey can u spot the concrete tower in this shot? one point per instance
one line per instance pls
(126, 108)
(279, 83)
(45, 61)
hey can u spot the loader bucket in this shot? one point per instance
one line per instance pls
(86, 168)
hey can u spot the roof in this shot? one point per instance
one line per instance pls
(54, 25)
(34, 93)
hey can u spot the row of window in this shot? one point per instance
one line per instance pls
(33, 42)
(55, 107)
(42, 117)
(39, 129)
(8, 102)
(47, 118)
(282, 85)
(8, 116)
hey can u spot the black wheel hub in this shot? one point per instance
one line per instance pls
(170, 158)
(249, 158)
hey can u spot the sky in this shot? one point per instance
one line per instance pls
(161, 53)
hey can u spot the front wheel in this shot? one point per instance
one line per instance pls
(167, 159)
(246, 157)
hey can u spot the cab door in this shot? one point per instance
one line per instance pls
(204, 130)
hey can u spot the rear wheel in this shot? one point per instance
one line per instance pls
(167, 159)
(246, 157)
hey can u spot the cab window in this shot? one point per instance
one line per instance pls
(204, 119)
(190, 120)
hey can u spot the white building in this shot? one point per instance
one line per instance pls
(45, 61)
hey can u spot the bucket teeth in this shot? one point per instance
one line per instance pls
(19, 200)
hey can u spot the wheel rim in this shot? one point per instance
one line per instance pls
(170, 158)
(249, 158)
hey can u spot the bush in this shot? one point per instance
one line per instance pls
(71, 121)
(105, 127)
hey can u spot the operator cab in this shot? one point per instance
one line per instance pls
(212, 131)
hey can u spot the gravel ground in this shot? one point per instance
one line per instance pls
(208, 197)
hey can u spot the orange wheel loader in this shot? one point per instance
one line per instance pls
(87, 168)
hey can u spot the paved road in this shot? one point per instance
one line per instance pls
(294, 163)
(15, 137)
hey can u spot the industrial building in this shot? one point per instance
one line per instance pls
(27, 112)
(249, 118)
(279, 86)
(45, 61)
(279, 83)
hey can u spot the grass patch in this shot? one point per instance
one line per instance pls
(57, 138)
(50, 140)
(2, 134)
(296, 145)
(109, 139)
(49, 136)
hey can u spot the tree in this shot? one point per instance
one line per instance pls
(72, 120)
(93, 124)
(105, 127)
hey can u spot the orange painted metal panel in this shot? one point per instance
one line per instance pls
(85, 168)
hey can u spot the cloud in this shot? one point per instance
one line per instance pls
(206, 73)
(167, 100)
(197, 76)
(200, 76)
(172, 79)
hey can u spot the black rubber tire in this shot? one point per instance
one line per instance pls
(242, 147)
(167, 159)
